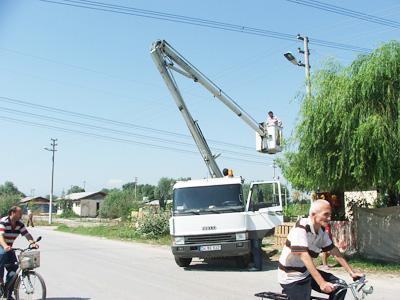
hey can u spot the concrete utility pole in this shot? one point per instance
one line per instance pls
(306, 64)
(136, 181)
(53, 150)
(274, 166)
(290, 57)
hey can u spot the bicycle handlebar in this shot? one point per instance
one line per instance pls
(356, 286)
(29, 247)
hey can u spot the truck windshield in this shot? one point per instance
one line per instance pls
(208, 199)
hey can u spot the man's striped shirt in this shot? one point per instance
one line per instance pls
(302, 238)
(10, 233)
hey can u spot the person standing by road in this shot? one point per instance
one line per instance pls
(30, 218)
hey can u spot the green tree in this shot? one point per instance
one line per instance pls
(348, 135)
(9, 188)
(129, 185)
(75, 189)
(7, 201)
(164, 188)
(119, 204)
(142, 190)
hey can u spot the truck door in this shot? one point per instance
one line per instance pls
(264, 208)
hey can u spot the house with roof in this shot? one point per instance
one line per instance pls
(38, 205)
(85, 204)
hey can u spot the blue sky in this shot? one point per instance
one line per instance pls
(98, 63)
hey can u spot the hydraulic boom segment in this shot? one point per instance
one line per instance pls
(167, 59)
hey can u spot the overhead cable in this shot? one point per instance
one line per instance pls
(102, 6)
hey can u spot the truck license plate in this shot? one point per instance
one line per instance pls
(210, 248)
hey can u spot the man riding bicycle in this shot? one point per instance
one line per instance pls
(297, 272)
(10, 228)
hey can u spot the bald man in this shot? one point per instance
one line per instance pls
(297, 272)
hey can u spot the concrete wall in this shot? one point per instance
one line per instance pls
(378, 233)
(87, 207)
(344, 236)
(362, 197)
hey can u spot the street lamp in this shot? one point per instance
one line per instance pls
(290, 57)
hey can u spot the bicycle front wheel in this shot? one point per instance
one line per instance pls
(30, 286)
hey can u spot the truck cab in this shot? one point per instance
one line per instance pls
(211, 218)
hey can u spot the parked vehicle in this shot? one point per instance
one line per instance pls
(210, 217)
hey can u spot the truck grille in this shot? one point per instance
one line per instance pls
(210, 238)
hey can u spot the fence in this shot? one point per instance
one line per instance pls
(281, 233)
(374, 234)
(378, 233)
(343, 235)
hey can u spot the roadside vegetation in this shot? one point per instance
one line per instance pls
(347, 137)
(9, 196)
(151, 228)
(130, 218)
(365, 265)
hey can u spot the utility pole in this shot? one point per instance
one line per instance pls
(306, 64)
(274, 166)
(84, 185)
(136, 181)
(53, 150)
(306, 52)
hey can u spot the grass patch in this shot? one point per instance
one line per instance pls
(365, 264)
(121, 232)
(42, 222)
(296, 209)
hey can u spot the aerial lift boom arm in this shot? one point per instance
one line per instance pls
(167, 58)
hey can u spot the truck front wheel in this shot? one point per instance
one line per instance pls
(183, 262)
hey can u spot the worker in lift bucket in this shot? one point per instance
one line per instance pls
(227, 172)
(273, 120)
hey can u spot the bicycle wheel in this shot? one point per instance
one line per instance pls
(30, 286)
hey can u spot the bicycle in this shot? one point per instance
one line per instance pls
(26, 283)
(358, 288)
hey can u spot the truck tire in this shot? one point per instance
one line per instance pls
(243, 261)
(183, 261)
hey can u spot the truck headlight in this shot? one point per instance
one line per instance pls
(241, 236)
(179, 240)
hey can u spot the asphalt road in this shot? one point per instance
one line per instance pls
(81, 268)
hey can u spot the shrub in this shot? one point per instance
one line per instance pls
(119, 204)
(296, 209)
(68, 213)
(154, 225)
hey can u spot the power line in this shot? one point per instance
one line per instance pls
(347, 12)
(119, 132)
(109, 121)
(114, 139)
(126, 10)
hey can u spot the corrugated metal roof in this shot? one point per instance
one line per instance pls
(27, 199)
(82, 195)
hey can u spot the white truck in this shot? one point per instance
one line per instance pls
(210, 217)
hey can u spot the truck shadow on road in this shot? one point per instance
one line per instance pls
(226, 265)
(68, 298)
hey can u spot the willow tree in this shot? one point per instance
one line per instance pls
(348, 134)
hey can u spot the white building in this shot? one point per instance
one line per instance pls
(85, 204)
